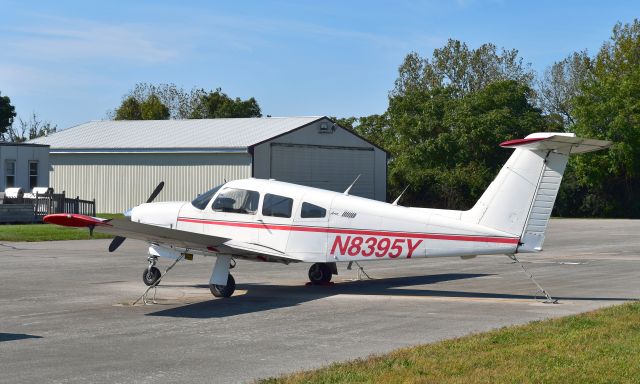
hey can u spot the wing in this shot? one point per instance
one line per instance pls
(174, 237)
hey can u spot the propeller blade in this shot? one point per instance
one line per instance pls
(156, 192)
(117, 241)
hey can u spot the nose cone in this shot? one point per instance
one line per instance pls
(160, 214)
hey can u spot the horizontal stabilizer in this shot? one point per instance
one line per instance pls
(565, 143)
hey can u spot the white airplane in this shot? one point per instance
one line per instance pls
(272, 221)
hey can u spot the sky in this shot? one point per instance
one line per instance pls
(72, 61)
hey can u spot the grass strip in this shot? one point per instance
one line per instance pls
(49, 232)
(602, 346)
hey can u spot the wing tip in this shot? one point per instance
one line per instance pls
(74, 220)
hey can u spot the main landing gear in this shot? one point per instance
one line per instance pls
(151, 274)
(224, 290)
(222, 283)
(321, 273)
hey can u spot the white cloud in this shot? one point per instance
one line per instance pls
(62, 39)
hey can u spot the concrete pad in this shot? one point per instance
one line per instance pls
(65, 313)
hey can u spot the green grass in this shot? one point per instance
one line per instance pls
(596, 347)
(49, 232)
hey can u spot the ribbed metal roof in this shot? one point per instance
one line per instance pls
(238, 133)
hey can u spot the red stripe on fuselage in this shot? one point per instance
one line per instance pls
(349, 231)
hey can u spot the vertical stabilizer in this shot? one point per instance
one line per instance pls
(520, 199)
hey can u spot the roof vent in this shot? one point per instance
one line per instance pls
(326, 127)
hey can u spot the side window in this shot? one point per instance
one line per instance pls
(10, 173)
(33, 174)
(277, 206)
(236, 201)
(312, 211)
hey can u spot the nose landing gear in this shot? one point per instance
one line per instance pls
(151, 274)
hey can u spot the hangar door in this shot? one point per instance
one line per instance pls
(332, 168)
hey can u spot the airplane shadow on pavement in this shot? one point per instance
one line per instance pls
(263, 297)
(16, 336)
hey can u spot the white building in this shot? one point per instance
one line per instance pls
(24, 166)
(120, 162)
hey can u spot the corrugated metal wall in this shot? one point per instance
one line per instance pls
(341, 169)
(121, 181)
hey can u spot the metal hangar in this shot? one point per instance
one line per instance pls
(120, 162)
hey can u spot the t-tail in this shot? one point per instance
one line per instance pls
(520, 199)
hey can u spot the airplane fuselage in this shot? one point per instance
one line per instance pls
(315, 225)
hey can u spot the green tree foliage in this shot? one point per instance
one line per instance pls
(153, 109)
(7, 114)
(445, 147)
(129, 110)
(150, 108)
(462, 69)
(164, 101)
(217, 104)
(181, 103)
(608, 107)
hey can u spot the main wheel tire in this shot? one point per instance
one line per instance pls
(151, 275)
(319, 273)
(224, 290)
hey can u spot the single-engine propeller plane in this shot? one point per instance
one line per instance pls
(272, 221)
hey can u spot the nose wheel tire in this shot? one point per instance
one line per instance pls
(320, 273)
(151, 275)
(224, 290)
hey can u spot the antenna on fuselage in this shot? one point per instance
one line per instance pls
(351, 186)
(395, 202)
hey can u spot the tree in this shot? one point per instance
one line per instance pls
(217, 104)
(153, 109)
(444, 146)
(562, 83)
(30, 129)
(150, 101)
(608, 107)
(462, 69)
(7, 114)
(179, 102)
(129, 110)
(150, 108)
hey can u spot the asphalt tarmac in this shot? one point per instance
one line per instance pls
(66, 313)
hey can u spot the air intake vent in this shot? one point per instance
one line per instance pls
(349, 214)
(325, 127)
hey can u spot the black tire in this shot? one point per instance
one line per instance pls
(320, 273)
(224, 290)
(151, 275)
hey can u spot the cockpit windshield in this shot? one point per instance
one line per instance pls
(203, 200)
